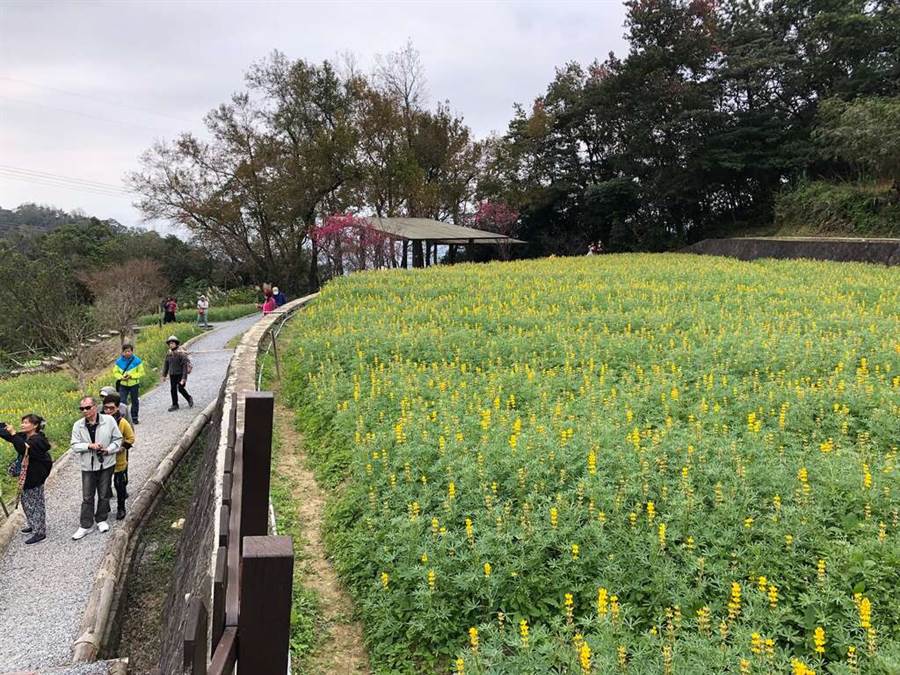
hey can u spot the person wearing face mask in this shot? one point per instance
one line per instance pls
(96, 439)
(32, 467)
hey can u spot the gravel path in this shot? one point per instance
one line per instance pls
(44, 587)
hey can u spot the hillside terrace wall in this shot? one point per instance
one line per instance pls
(878, 251)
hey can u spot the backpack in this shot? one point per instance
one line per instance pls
(188, 366)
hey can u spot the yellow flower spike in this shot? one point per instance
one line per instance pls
(744, 667)
(820, 570)
(865, 613)
(703, 620)
(487, 569)
(459, 666)
(584, 657)
(569, 605)
(622, 657)
(385, 579)
(651, 511)
(602, 601)
(661, 536)
(576, 550)
(819, 640)
(734, 603)
(432, 580)
(756, 643)
(473, 639)
(554, 516)
(772, 593)
(523, 632)
(762, 582)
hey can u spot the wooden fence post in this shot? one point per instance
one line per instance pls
(257, 463)
(264, 628)
(195, 627)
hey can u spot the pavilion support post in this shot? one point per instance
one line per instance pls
(451, 253)
(418, 257)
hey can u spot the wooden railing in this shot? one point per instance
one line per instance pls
(249, 625)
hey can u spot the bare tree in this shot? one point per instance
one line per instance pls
(401, 76)
(71, 334)
(123, 292)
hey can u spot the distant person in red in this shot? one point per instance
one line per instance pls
(269, 305)
(171, 307)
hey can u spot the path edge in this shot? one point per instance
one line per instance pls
(98, 609)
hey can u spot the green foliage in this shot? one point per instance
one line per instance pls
(215, 313)
(865, 209)
(865, 132)
(595, 386)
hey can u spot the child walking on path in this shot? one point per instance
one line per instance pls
(177, 367)
(128, 371)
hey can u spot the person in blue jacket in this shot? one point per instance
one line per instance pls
(280, 298)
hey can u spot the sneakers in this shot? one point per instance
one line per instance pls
(173, 408)
(135, 421)
(120, 514)
(26, 530)
(36, 538)
(81, 532)
(103, 526)
(190, 401)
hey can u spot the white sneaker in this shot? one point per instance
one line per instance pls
(80, 532)
(103, 526)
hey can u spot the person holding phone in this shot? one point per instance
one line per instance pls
(96, 439)
(33, 466)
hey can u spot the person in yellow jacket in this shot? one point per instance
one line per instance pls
(120, 473)
(128, 371)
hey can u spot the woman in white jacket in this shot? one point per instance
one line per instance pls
(96, 438)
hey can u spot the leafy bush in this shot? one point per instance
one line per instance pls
(854, 209)
(674, 441)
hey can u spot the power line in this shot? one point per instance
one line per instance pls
(71, 179)
(83, 114)
(64, 186)
(96, 99)
(62, 183)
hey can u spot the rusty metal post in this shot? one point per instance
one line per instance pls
(264, 629)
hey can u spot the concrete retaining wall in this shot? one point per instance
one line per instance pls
(879, 251)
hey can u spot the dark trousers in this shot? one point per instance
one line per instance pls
(120, 481)
(126, 392)
(169, 317)
(35, 511)
(95, 483)
(176, 388)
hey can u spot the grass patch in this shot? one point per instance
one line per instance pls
(153, 566)
(223, 313)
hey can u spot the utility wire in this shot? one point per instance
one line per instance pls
(69, 179)
(96, 99)
(49, 182)
(83, 114)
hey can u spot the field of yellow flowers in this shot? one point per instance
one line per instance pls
(629, 463)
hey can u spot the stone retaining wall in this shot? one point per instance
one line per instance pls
(879, 251)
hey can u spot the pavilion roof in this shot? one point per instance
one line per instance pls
(415, 229)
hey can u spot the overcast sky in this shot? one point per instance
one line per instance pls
(86, 87)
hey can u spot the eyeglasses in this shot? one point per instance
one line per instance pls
(82, 408)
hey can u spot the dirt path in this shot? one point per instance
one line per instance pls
(339, 647)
